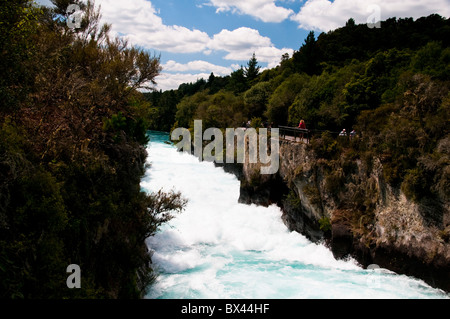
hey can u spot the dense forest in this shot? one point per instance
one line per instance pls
(390, 84)
(328, 82)
(72, 153)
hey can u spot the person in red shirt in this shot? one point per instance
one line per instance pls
(302, 125)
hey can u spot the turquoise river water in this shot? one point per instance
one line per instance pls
(220, 249)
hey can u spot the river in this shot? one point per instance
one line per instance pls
(220, 249)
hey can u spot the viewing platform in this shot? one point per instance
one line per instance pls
(294, 134)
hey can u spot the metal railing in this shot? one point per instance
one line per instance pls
(297, 132)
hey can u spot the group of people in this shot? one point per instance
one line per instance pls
(344, 133)
(302, 125)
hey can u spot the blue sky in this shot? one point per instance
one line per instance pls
(197, 37)
(196, 15)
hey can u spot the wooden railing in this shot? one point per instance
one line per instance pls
(295, 132)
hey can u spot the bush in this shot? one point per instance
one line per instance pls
(325, 224)
(293, 200)
(326, 146)
(415, 185)
(256, 122)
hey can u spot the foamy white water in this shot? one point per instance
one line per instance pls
(220, 249)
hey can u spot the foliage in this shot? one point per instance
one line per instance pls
(326, 146)
(18, 23)
(163, 108)
(306, 60)
(325, 224)
(432, 59)
(252, 70)
(222, 109)
(72, 153)
(237, 82)
(293, 200)
(256, 99)
(283, 97)
(256, 122)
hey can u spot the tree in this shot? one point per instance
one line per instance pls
(238, 82)
(163, 110)
(187, 108)
(256, 99)
(306, 59)
(350, 23)
(19, 22)
(213, 84)
(220, 110)
(283, 97)
(211, 78)
(252, 70)
(432, 59)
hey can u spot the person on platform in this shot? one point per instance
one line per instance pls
(302, 125)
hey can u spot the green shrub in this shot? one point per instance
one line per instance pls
(325, 224)
(326, 146)
(256, 122)
(293, 200)
(414, 185)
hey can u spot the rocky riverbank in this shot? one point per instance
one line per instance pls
(347, 204)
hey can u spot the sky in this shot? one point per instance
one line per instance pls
(196, 37)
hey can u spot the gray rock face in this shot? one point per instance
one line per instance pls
(349, 204)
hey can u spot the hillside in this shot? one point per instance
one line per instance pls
(387, 188)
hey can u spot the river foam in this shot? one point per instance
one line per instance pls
(220, 249)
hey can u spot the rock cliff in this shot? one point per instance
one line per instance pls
(346, 203)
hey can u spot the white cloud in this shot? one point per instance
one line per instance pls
(325, 15)
(272, 55)
(170, 81)
(139, 22)
(239, 39)
(264, 10)
(269, 55)
(241, 43)
(202, 66)
(172, 75)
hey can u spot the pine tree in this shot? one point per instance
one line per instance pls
(237, 82)
(252, 70)
(306, 59)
